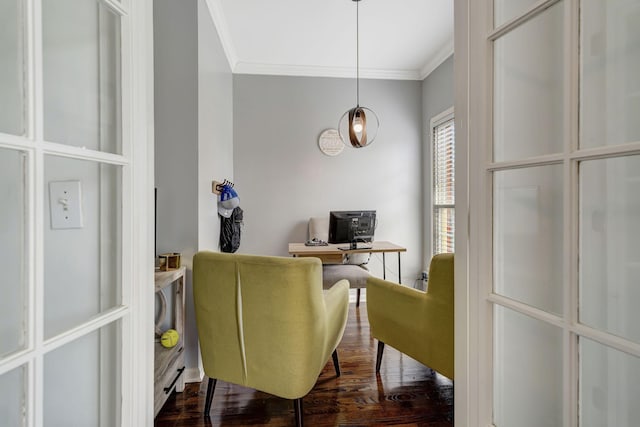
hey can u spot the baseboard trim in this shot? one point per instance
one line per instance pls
(193, 375)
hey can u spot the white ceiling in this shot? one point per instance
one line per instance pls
(399, 39)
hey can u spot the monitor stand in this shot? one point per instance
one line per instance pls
(354, 246)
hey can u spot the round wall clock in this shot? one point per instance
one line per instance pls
(330, 142)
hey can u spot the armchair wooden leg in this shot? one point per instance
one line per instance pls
(358, 299)
(210, 389)
(297, 409)
(379, 357)
(336, 365)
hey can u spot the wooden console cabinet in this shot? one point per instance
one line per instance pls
(169, 362)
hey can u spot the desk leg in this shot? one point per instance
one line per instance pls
(399, 270)
(384, 267)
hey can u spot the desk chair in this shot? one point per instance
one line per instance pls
(265, 323)
(354, 269)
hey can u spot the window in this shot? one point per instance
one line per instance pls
(443, 182)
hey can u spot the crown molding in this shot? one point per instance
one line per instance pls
(239, 67)
(439, 58)
(217, 15)
(317, 71)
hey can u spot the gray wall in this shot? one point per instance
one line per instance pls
(437, 91)
(215, 150)
(176, 137)
(437, 96)
(176, 125)
(194, 138)
(283, 178)
(215, 126)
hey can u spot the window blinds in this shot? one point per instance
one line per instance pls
(443, 186)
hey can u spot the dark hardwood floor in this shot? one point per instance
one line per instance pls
(406, 393)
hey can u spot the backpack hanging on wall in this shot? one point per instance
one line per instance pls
(230, 231)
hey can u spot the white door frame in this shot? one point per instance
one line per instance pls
(472, 402)
(138, 391)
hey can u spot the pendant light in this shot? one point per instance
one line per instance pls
(358, 127)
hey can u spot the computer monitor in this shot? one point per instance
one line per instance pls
(351, 227)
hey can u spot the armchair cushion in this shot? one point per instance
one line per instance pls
(356, 275)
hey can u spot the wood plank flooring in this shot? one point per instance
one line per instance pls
(406, 393)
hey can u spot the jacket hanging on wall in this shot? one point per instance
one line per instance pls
(230, 231)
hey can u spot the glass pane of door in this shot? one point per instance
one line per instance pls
(81, 381)
(82, 255)
(528, 88)
(12, 251)
(527, 371)
(505, 10)
(610, 245)
(609, 386)
(81, 74)
(12, 69)
(528, 225)
(610, 73)
(13, 397)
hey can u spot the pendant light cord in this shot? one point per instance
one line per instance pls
(357, 53)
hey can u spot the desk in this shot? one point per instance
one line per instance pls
(332, 254)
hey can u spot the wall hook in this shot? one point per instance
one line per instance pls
(216, 187)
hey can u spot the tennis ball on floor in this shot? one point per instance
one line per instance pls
(169, 338)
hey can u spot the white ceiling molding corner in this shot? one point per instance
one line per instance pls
(437, 59)
(219, 21)
(320, 71)
(388, 74)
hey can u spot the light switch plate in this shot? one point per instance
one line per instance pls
(65, 204)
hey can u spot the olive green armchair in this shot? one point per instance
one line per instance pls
(265, 323)
(419, 324)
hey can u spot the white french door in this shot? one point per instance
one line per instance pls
(554, 208)
(69, 312)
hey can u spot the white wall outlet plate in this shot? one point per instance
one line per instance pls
(65, 204)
